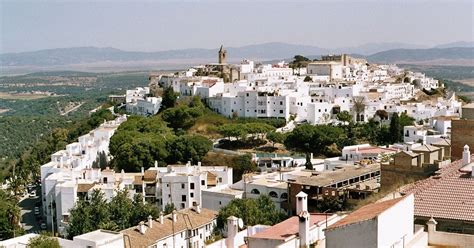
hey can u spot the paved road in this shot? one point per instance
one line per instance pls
(28, 217)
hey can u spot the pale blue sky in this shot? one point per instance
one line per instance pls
(163, 25)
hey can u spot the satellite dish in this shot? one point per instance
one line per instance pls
(241, 223)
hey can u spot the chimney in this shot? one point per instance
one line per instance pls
(142, 227)
(161, 218)
(311, 154)
(150, 221)
(303, 229)
(174, 215)
(198, 208)
(143, 171)
(232, 229)
(301, 202)
(466, 156)
(199, 164)
(156, 164)
(122, 174)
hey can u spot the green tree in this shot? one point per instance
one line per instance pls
(395, 129)
(181, 117)
(9, 215)
(169, 98)
(242, 164)
(308, 79)
(169, 208)
(253, 211)
(344, 116)
(233, 130)
(43, 241)
(317, 139)
(276, 137)
(121, 209)
(142, 210)
(256, 129)
(188, 148)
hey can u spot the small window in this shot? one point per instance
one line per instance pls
(220, 179)
(182, 205)
(255, 191)
(191, 186)
(281, 111)
(192, 194)
(182, 185)
(203, 182)
(183, 198)
(273, 194)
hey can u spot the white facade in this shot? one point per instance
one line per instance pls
(390, 225)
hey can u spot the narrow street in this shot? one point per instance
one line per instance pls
(29, 220)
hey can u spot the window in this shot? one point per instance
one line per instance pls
(105, 179)
(191, 186)
(182, 205)
(281, 111)
(182, 185)
(255, 191)
(219, 179)
(169, 195)
(281, 102)
(183, 198)
(273, 194)
(203, 182)
(192, 194)
(284, 196)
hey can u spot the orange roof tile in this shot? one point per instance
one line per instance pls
(367, 212)
(289, 227)
(447, 195)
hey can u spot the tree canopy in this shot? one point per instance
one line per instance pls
(43, 241)
(316, 139)
(253, 211)
(120, 213)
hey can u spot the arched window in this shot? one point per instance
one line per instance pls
(284, 196)
(273, 194)
(255, 191)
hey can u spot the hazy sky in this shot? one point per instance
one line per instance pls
(163, 25)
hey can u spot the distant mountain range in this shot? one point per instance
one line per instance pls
(375, 52)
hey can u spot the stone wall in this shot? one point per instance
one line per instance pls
(462, 133)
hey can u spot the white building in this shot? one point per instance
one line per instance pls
(384, 224)
(146, 106)
(185, 228)
(95, 239)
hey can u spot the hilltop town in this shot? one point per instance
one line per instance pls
(331, 152)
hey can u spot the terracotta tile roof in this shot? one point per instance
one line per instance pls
(288, 228)
(425, 148)
(447, 195)
(84, 187)
(150, 175)
(365, 213)
(409, 153)
(159, 231)
(138, 180)
(443, 142)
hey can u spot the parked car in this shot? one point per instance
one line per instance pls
(43, 225)
(37, 211)
(33, 194)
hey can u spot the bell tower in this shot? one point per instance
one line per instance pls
(222, 55)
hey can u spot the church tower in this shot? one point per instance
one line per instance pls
(222, 55)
